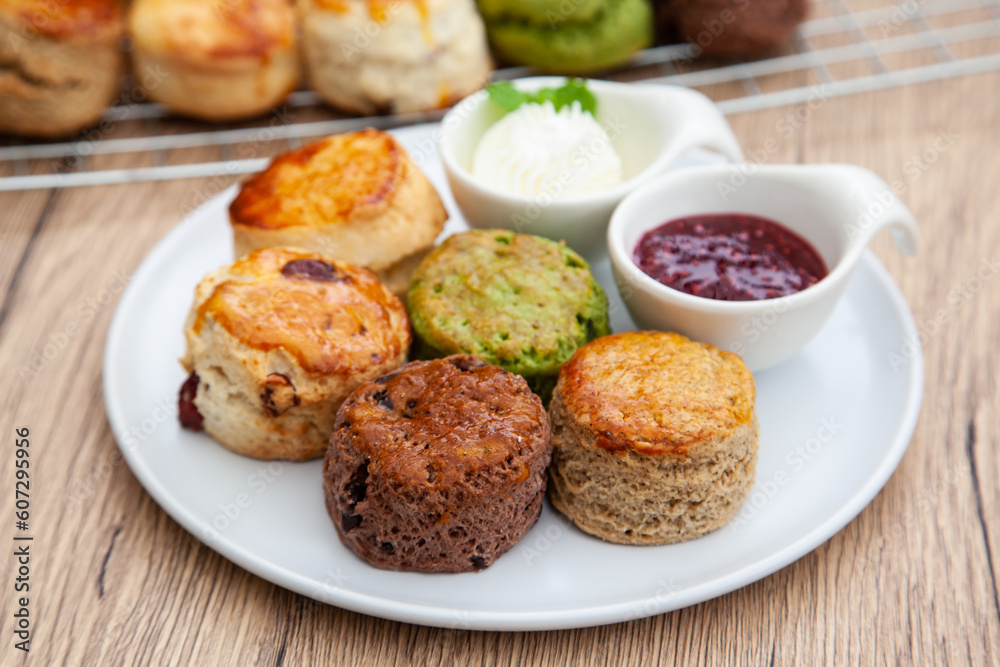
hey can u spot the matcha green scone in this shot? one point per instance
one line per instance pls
(568, 36)
(518, 301)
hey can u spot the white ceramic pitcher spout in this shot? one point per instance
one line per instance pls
(837, 208)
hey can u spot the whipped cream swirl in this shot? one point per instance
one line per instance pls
(536, 149)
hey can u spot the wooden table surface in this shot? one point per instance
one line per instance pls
(912, 580)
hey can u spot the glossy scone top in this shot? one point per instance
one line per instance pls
(328, 315)
(437, 424)
(100, 20)
(327, 182)
(210, 32)
(656, 393)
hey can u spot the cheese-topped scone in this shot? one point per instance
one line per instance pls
(355, 197)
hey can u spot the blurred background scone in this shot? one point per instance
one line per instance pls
(519, 301)
(654, 438)
(277, 341)
(437, 467)
(220, 59)
(394, 57)
(568, 36)
(59, 64)
(355, 197)
(731, 28)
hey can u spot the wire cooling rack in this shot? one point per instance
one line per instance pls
(837, 52)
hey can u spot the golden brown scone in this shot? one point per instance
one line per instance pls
(394, 56)
(355, 197)
(220, 59)
(277, 341)
(59, 64)
(654, 438)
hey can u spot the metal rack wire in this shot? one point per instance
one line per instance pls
(838, 52)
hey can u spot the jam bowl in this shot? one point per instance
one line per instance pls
(650, 126)
(836, 209)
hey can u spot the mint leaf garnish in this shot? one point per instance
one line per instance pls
(509, 98)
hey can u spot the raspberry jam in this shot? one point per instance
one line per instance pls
(729, 257)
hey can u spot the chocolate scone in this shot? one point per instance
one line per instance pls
(732, 28)
(654, 438)
(437, 467)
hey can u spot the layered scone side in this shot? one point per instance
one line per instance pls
(59, 64)
(356, 197)
(654, 438)
(521, 302)
(218, 59)
(374, 56)
(278, 340)
(437, 467)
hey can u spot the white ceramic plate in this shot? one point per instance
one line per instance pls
(835, 421)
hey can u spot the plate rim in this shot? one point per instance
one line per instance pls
(451, 617)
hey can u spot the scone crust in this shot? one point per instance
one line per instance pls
(354, 196)
(91, 21)
(59, 64)
(218, 59)
(376, 57)
(277, 351)
(654, 438)
(437, 467)
(519, 301)
(676, 393)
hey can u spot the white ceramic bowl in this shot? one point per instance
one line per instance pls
(837, 208)
(649, 125)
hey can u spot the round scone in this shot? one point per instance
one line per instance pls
(732, 28)
(437, 467)
(394, 57)
(59, 64)
(654, 438)
(355, 197)
(578, 37)
(217, 59)
(521, 302)
(277, 341)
